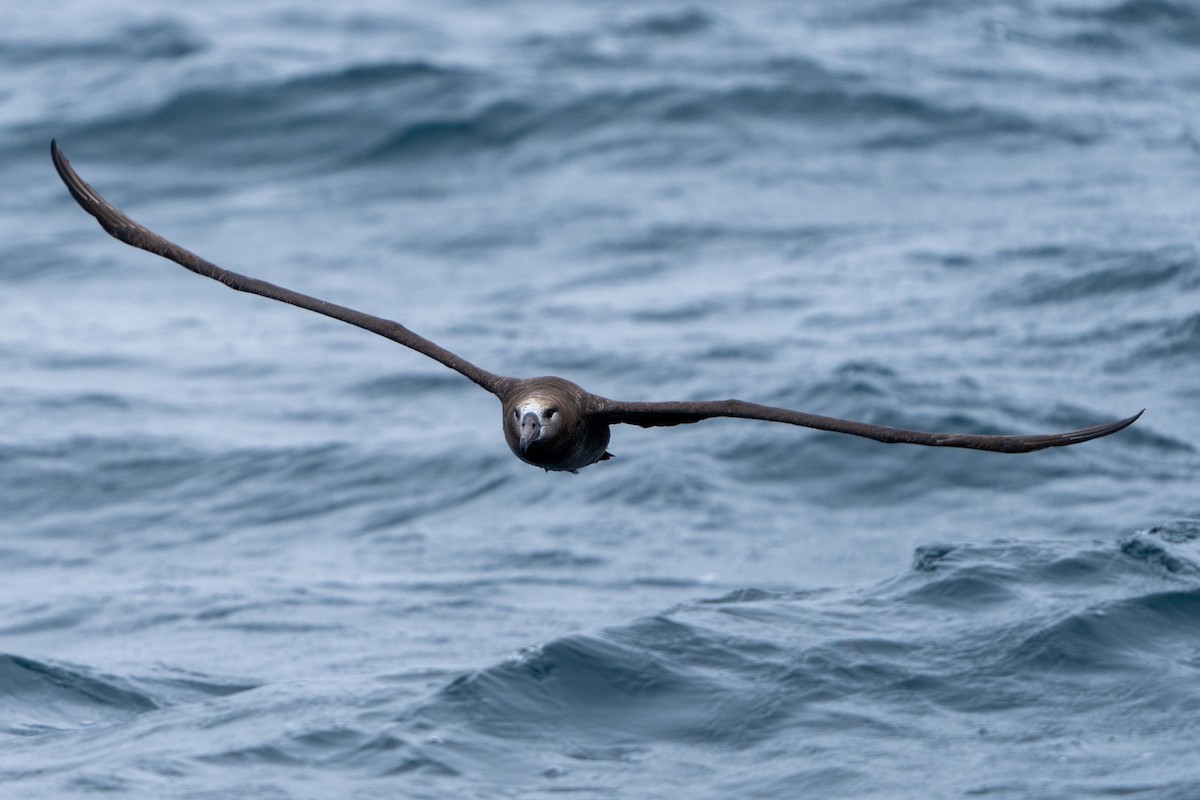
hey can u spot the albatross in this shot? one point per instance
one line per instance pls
(550, 422)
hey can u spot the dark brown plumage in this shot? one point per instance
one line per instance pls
(550, 422)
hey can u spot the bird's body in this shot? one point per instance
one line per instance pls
(550, 422)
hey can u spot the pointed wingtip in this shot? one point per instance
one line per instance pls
(110, 217)
(60, 163)
(1113, 427)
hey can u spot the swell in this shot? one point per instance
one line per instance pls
(1160, 19)
(955, 633)
(39, 696)
(162, 40)
(1173, 342)
(607, 122)
(64, 487)
(310, 118)
(372, 113)
(1067, 273)
(934, 654)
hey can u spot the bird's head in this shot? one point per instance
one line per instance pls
(547, 424)
(537, 425)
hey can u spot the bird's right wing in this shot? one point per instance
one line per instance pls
(649, 415)
(121, 227)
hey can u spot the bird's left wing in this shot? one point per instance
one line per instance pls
(649, 415)
(121, 227)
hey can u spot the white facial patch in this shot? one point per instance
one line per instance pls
(545, 412)
(535, 407)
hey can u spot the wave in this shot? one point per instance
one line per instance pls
(1113, 635)
(935, 651)
(1175, 341)
(222, 491)
(152, 41)
(367, 114)
(1084, 273)
(40, 696)
(1178, 22)
(960, 633)
(671, 24)
(617, 124)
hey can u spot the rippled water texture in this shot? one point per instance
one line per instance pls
(252, 552)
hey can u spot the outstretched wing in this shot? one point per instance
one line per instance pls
(650, 415)
(118, 225)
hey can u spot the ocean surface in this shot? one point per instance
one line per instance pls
(252, 552)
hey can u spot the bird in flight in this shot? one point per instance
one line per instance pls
(550, 422)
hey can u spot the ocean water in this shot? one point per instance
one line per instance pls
(251, 552)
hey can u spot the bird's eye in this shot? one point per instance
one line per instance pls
(550, 412)
(516, 414)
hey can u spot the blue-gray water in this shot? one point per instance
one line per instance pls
(251, 552)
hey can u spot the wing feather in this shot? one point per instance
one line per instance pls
(649, 415)
(121, 227)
